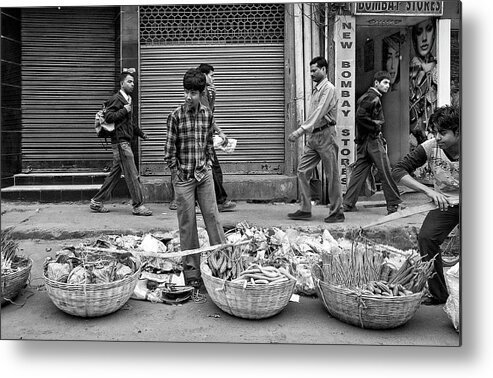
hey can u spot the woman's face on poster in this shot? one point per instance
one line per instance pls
(392, 63)
(425, 35)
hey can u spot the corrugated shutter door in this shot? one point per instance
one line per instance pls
(249, 80)
(68, 70)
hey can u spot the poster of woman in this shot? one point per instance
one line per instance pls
(422, 80)
(391, 54)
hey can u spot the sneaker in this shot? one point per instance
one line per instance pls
(335, 218)
(226, 206)
(173, 205)
(349, 209)
(141, 210)
(98, 207)
(394, 208)
(300, 215)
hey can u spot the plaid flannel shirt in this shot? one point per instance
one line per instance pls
(188, 148)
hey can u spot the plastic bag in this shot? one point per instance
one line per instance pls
(452, 306)
(218, 144)
(151, 244)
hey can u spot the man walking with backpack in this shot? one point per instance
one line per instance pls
(119, 112)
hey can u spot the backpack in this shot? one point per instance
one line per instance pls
(103, 129)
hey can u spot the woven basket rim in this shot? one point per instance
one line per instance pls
(242, 302)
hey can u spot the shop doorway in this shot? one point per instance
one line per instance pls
(384, 48)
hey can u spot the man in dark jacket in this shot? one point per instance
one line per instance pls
(371, 146)
(119, 112)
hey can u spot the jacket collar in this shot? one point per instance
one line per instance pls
(376, 91)
(125, 96)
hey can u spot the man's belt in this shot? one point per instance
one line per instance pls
(322, 127)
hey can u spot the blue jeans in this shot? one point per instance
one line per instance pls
(186, 193)
(321, 146)
(123, 161)
(372, 151)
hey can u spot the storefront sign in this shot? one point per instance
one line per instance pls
(345, 71)
(399, 8)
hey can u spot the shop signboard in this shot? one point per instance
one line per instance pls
(345, 71)
(398, 8)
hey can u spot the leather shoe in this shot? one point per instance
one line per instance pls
(300, 215)
(349, 209)
(226, 206)
(335, 218)
(394, 208)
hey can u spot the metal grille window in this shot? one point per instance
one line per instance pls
(212, 24)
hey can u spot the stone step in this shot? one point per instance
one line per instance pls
(60, 178)
(58, 193)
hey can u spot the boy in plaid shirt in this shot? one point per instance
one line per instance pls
(188, 153)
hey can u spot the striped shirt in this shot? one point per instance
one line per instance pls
(188, 147)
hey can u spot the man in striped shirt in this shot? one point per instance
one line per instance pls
(188, 154)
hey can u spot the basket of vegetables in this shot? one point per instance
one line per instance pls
(15, 269)
(90, 282)
(366, 286)
(243, 287)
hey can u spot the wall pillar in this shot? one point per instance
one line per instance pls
(444, 61)
(10, 98)
(129, 58)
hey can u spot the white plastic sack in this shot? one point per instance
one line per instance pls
(151, 244)
(451, 307)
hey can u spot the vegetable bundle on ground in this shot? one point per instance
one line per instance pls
(369, 286)
(244, 285)
(90, 280)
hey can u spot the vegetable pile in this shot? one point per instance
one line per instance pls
(11, 261)
(85, 264)
(292, 250)
(237, 265)
(369, 270)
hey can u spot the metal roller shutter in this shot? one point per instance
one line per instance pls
(69, 58)
(249, 101)
(245, 44)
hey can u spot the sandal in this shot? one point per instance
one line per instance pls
(98, 207)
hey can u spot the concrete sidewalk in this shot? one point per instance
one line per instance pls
(75, 220)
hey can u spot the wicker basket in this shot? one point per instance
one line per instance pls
(259, 302)
(12, 283)
(91, 300)
(365, 311)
